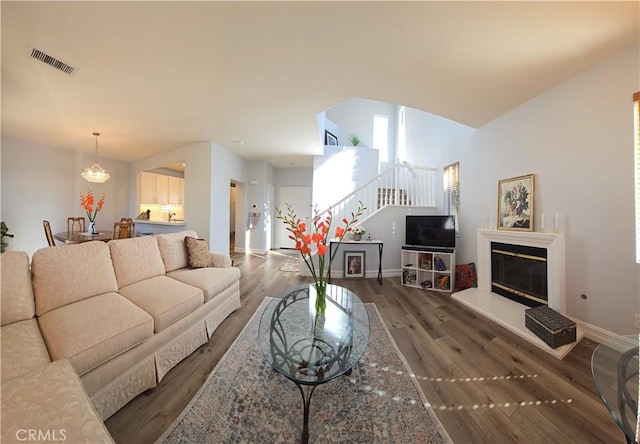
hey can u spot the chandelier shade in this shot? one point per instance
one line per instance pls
(95, 173)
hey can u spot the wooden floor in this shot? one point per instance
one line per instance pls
(485, 384)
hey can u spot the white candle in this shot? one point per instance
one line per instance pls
(542, 222)
(555, 226)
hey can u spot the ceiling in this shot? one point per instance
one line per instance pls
(253, 76)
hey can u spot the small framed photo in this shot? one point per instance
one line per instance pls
(515, 203)
(354, 264)
(330, 139)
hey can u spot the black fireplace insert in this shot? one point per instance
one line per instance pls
(519, 272)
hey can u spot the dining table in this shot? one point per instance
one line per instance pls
(77, 237)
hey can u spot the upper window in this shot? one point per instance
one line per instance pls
(451, 185)
(636, 124)
(402, 138)
(381, 136)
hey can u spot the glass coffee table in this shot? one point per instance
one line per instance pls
(614, 366)
(311, 349)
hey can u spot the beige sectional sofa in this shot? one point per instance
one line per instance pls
(120, 315)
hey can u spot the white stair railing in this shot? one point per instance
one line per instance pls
(402, 185)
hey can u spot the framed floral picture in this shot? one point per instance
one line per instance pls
(353, 264)
(515, 203)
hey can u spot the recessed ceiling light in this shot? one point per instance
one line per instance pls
(239, 142)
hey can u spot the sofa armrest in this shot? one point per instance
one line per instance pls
(220, 260)
(53, 402)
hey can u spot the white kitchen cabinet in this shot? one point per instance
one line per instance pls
(176, 190)
(158, 189)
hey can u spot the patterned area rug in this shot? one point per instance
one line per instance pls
(291, 265)
(245, 401)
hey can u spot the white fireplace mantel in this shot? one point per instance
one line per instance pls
(553, 243)
(506, 312)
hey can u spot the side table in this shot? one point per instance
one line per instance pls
(377, 242)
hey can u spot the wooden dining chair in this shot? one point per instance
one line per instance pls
(76, 224)
(48, 233)
(126, 219)
(123, 230)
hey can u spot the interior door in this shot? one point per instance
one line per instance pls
(300, 200)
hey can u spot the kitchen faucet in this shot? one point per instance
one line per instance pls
(170, 215)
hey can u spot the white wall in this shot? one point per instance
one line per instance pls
(209, 170)
(578, 140)
(225, 166)
(43, 183)
(293, 177)
(355, 116)
(340, 171)
(260, 197)
(196, 182)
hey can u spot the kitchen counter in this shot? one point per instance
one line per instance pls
(160, 222)
(151, 227)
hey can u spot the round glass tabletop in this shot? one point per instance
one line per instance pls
(614, 366)
(312, 349)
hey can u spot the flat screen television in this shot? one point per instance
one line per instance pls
(430, 231)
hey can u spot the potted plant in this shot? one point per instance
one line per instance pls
(358, 231)
(4, 232)
(355, 140)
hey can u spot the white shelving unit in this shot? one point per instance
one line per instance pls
(428, 269)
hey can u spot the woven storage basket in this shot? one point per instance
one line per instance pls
(550, 326)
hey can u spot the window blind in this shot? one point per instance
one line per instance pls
(451, 187)
(636, 125)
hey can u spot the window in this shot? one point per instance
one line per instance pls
(381, 136)
(636, 124)
(451, 186)
(402, 138)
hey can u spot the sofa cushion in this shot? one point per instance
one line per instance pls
(22, 349)
(52, 402)
(198, 252)
(173, 249)
(221, 260)
(16, 294)
(211, 280)
(67, 274)
(136, 259)
(94, 330)
(165, 299)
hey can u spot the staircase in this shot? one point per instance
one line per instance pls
(402, 185)
(387, 196)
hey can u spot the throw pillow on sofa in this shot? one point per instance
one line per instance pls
(198, 252)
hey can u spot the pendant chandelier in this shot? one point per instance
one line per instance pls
(95, 173)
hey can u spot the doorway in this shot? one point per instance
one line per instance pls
(232, 217)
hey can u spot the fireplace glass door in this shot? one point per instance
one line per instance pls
(519, 273)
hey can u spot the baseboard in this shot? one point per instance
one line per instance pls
(369, 274)
(592, 332)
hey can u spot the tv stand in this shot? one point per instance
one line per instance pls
(428, 268)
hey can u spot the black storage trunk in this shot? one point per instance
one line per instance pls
(550, 326)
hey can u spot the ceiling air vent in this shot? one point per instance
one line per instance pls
(52, 61)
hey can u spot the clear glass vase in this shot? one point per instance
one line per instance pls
(92, 228)
(321, 296)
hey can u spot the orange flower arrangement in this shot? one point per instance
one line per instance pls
(317, 237)
(87, 202)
